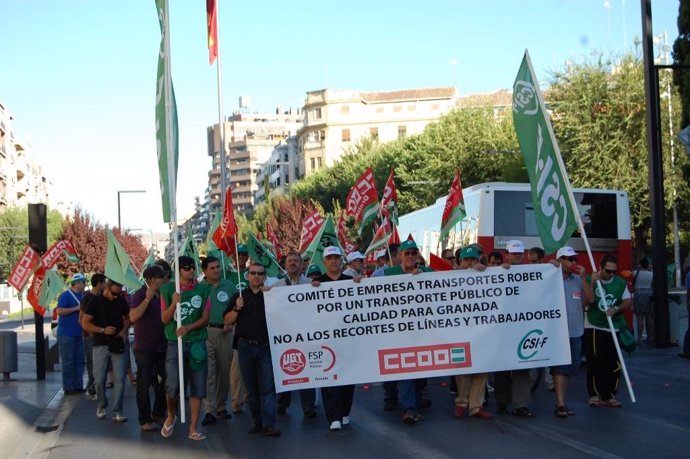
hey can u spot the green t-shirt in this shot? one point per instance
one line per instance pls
(220, 296)
(596, 315)
(191, 308)
(394, 270)
(232, 277)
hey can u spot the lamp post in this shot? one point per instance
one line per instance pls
(119, 222)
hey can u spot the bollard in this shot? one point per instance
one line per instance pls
(9, 357)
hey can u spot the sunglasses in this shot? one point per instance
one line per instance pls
(188, 268)
(410, 252)
(610, 271)
(450, 258)
(257, 273)
(573, 259)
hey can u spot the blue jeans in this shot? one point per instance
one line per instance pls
(407, 392)
(101, 356)
(257, 374)
(88, 353)
(72, 359)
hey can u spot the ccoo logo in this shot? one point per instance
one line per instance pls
(292, 361)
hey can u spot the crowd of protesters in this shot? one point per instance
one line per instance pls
(225, 343)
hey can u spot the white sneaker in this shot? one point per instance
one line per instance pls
(119, 418)
(346, 420)
(335, 425)
(101, 413)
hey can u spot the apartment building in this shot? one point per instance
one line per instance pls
(336, 119)
(280, 171)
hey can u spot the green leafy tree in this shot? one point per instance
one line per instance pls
(681, 55)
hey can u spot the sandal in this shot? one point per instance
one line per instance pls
(594, 401)
(560, 412)
(612, 403)
(167, 431)
(197, 436)
(523, 412)
(569, 411)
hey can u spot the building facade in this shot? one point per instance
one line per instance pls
(280, 171)
(335, 120)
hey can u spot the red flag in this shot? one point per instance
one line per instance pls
(363, 201)
(381, 236)
(395, 237)
(271, 236)
(212, 26)
(310, 228)
(23, 268)
(225, 234)
(439, 264)
(53, 254)
(389, 201)
(342, 236)
(34, 291)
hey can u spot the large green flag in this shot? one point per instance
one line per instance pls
(166, 120)
(189, 249)
(553, 210)
(51, 287)
(259, 253)
(150, 259)
(117, 265)
(326, 237)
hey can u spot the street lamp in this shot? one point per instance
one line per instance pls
(119, 222)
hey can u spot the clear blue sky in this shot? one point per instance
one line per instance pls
(79, 76)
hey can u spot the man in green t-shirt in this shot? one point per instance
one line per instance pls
(603, 366)
(194, 306)
(218, 344)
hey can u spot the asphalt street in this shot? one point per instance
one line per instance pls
(658, 425)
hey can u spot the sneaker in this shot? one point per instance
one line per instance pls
(346, 420)
(482, 414)
(119, 418)
(101, 413)
(91, 394)
(409, 418)
(335, 425)
(459, 411)
(272, 432)
(208, 420)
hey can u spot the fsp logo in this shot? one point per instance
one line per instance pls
(533, 340)
(424, 358)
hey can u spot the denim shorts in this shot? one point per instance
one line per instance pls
(195, 380)
(575, 356)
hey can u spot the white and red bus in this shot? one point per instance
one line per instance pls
(498, 212)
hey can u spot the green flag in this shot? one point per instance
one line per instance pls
(553, 211)
(259, 253)
(117, 265)
(150, 259)
(189, 249)
(51, 287)
(166, 120)
(210, 243)
(326, 237)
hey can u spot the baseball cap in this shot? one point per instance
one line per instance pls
(566, 251)
(241, 248)
(154, 271)
(332, 250)
(408, 244)
(313, 269)
(356, 255)
(78, 277)
(381, 253)
(515, 246)
(469, 252)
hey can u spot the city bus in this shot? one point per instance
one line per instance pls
(498, 212)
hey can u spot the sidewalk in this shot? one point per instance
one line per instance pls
(30, 410)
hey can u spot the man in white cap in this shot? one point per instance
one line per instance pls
(355, 264)
(513, 385)
(70, 340)
(577, 295)
(337, 400)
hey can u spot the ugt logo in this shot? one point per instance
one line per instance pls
(532, 341)
(292, 361)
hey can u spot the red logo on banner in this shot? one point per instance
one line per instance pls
(293, 361)
(424, 358)
(22, 270)
(310, 228)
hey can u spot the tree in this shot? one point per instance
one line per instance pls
(681, 55)
(14, 235)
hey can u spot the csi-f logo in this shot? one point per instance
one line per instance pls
(525, 98)
(531, 343)
(292, 361)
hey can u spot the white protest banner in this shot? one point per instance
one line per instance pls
(417, 326)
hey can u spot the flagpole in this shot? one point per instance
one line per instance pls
(221, 123)
(173, 195)
(573, 204)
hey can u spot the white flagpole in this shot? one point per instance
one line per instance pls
(172, 186)
(221, 123)
(581, 227)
